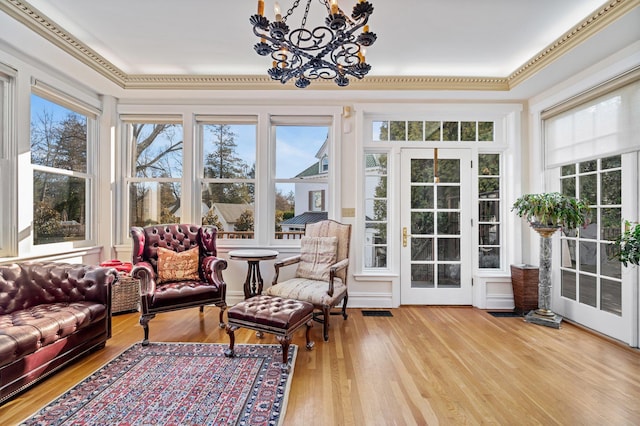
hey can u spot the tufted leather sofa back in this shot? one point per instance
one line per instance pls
(25, 285)
(176, 237)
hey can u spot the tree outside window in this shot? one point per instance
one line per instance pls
(60, 177)
(228, 195)
(156, 171)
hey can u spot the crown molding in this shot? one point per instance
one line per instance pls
(36, 21)
(45, 27)
(589, 27)
(251, 82)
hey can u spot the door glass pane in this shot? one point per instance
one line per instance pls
(611, 296)
(610, 187)
(468, 131)
(588, 188)
(422, 276)
(569, 285)
(568, 186)
(569, 254)
(448, 171)
(421, 170)
(421, 248)
(448, 223)
(609, 266)
(422, 197)
(448, 197)
(448, 249)
(448, 275)
(422, 223)
(588, 294)
(588, 256)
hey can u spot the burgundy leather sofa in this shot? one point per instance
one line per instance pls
(50, 314)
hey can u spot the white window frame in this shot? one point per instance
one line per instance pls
(127, 164)
(506, 118)
(8, 189)
(331, 199)
(90, 108)
(202, 120)
(264, 225)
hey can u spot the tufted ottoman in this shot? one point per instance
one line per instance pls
(274, 315)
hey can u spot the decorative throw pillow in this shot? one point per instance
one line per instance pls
(317, 254)
(174, 266)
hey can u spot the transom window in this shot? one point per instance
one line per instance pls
(433, 131)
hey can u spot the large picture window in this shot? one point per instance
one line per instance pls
(62, 181)
(301, 178)
(229, 169)
(155, 172)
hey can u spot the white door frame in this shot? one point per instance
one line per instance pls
(437, 296)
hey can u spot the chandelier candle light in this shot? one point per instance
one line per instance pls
(332, 51)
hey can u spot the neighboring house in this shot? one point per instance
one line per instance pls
(298, 223)
(310, 194)
(228, 214)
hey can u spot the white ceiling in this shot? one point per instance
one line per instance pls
(466, 38)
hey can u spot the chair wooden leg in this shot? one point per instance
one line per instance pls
(310, 343)
(232, 340)
(222, 309)
(326, 313)
(344, 306)
(202, 308)
(144, 322)
(285, 341)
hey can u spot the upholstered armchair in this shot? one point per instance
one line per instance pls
(321, 274)
(178, 269)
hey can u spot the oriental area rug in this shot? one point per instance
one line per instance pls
(179, 384)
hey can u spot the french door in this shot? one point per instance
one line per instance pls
(436, 227)
(593, 288)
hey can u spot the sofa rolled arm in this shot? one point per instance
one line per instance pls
(212, 268)
(144, 272)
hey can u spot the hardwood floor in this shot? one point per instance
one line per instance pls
(424, 365)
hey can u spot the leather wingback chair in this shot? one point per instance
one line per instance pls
(206, 287)
(326, 287)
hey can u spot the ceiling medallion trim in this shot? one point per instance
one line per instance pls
(42, 25)
(590, 26)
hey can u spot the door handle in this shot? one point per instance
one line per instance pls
(404, 236)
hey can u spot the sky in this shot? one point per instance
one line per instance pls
(296, 146)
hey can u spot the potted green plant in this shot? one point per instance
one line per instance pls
(551, 210)
(546, 213)
(629, 244)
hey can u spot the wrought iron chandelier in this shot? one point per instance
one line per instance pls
(331, 52)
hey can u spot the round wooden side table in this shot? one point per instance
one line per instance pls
(253, 284)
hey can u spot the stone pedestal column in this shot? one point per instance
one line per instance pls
(544, 315)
